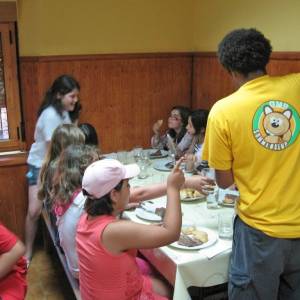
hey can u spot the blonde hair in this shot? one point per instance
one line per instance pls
(63, 136)
(70, 169)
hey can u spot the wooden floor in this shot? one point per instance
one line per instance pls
(46, 278)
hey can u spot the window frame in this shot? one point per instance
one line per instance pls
(12, 91)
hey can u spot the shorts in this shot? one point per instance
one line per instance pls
(32, 175)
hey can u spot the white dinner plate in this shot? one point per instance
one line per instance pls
(189, 199)
(160, 165)
(164, 153)
(146, 215)
(212, 238)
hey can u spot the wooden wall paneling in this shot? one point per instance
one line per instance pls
(13, 193)
(282, 63)
(122, 95)
(211, 82)
(30, 97)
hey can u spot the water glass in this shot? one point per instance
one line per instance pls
(145, 155)
(225, 225)
(189, 163)
(137, 153)
(143, 164)
(122, 157)
(212, 191)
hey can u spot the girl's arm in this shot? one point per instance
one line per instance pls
(122, 235)
(138, 194)
(184, 145)
(143, 193)
(9, 259)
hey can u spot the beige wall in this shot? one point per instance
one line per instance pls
(278, 20)
(55, 27)
(52, 27)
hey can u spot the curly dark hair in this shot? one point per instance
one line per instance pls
(244, 51)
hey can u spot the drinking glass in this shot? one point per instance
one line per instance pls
(122, 157)
(143, 164)
(189, 163)
(225, 225)
(137, 153)
(212, 191)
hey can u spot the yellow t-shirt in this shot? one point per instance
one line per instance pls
(254, 132)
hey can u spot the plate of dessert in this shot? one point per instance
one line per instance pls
(157, 153)
(228, 197)
(194, 238)
(150, 212)
(190, 195)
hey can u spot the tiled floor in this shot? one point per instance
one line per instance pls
(46, 279)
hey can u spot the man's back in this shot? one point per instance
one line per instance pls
(255, 131)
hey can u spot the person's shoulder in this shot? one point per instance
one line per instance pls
(49, 113)
(293, 77)
(223, 105)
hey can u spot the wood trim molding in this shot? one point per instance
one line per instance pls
(280, 55)
(91, 57)
(8, 11)
(14, 160)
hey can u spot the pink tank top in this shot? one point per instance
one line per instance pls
(104, 275)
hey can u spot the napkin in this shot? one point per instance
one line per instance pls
(220, 247)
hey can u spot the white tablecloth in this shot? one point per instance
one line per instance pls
(184, 268)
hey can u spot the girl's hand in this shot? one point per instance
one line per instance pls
(176, 177)
(156, 126)
(199, 183)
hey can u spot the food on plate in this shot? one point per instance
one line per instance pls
(169, 165)
(156, 154)
(189, 193)
(160, 211)
(191, 236)
(188, 241)
(230, 199)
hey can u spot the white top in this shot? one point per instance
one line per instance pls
(46, 124)
(67, 225)
(198, 152)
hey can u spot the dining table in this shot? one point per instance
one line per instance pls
(186, 267)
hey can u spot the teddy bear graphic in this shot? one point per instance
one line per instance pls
(277, 125)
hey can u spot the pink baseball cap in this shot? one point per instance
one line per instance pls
(103, 175)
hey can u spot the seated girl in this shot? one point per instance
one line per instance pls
(176, 130)
(12, 266)
(68, 200)
(90, 133)
(107, 246)
(196, 128)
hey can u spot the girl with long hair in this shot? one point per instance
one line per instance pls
(177, 123)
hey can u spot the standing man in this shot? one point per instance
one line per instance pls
(252, 140)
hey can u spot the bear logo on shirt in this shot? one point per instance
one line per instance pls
(277, 125)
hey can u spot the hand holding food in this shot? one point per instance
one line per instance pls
(156, 126)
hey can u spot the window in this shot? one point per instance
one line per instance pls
(10, 112)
